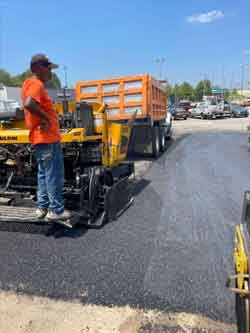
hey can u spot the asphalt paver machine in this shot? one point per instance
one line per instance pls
(97, 187)
(241, 278)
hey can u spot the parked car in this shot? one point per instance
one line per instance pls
(197, 110)
(206, 110)
(185, 105)
(238, 111)
(225, 107)
(178, 112)
(213, 111)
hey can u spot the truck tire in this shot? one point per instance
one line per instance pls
(155, 141)
(163, 144)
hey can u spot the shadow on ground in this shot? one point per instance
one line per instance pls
(54, 230)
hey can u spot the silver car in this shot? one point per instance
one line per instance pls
(205, 110)
(198, 110)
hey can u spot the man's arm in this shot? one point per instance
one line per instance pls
(33, 107)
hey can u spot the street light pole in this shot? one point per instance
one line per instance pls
(160, 62)
(223, 81)
(65, 76)
(243, 67)
(203, 78)
(241, 78)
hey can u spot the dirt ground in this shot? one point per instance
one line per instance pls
(218, 125)
(27, 314)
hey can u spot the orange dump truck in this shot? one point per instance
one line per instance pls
(126, 95)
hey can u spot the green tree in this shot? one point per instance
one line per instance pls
(203, 88)
(54, 83)
(186, 91)
(176, 92)
(226, 94)
(168, 88)
(5, 77)
(18, 80)
(234, 95)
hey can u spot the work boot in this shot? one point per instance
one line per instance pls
(65, 215)
(41, 213)
(63, 218)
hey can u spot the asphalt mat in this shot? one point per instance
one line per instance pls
(171, 250)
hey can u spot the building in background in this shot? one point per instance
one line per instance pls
(13, 94)
(244, 93)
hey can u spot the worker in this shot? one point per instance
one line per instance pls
(44, 135)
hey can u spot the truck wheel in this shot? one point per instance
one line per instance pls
(163, 144)
(155, 141)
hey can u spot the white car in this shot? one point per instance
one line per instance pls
(207, 110)
(198, 110)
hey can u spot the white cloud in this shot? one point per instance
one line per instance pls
(247, 52)
(206, 17)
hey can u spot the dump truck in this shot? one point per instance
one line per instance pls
(124, 96)
(97, 188)
(239, 282)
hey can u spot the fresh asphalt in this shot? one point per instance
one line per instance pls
(172, 250)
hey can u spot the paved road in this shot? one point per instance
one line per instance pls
(171, 250)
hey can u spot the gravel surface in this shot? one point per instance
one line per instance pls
(170, 251)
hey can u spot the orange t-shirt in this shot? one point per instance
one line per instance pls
(35, 89)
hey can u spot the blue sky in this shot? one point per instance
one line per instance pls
(103, 39)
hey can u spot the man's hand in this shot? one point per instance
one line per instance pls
(33, 107)
(44, 125)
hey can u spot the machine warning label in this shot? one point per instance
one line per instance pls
(8, 138)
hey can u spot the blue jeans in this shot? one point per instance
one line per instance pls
(50, 177)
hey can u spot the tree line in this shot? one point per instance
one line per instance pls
(174, 92)
(187, 91)
(17, 80)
